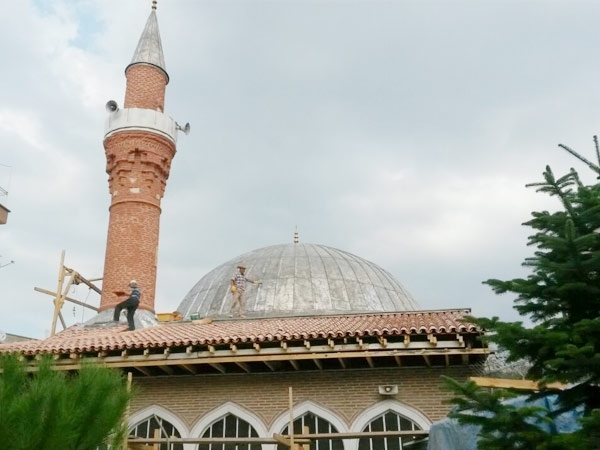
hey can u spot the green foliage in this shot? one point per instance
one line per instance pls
(517, 427)
(55, 410)
(561, 298)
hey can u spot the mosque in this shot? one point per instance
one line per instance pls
(331, 345)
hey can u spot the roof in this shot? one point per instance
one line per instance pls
(149, 49)
(300, 279)
(239, 342)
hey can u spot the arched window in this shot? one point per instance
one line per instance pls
(315, 425)
(392, 421)
(146, 429)
(230, 426)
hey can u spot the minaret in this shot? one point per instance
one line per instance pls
(140, 143)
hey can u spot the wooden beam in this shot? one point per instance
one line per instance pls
(358, 434)
(156, 435)
(304, 438)
(295, 364)
(58, 300)
(167, 369)
(271, 366)
(69, 299)
(447, 360)
(432, 339)
(505, 383)
(79, 279)
(427, 361)
(370, 361)
(219, 367)
(245, 367)
(145, 371)
(398, 361)
(62, 320)
(342, 362)
(318, 364)
(268, 354)
(190, 368)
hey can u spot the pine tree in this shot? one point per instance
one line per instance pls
(54, 410)
(561, 299)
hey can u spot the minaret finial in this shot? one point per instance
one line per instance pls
(154, 2)
(296, 239)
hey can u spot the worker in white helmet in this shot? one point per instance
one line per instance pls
(130, 304)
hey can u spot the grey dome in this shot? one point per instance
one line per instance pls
(299, 280)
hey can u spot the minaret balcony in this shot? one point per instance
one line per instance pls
(138, 119)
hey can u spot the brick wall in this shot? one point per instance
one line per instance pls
(138, 164)
(146, 86)
(346, 393)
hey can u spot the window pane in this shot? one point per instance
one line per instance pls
(146, 429)
(405, 424)
(391, 421)
(377, 424)
(315, 424)
(230, 426)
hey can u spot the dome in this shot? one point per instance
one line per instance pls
(299, 280)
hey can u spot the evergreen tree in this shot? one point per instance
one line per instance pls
(561, 298)
(55, 410)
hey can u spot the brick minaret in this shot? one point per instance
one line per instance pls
(140, 143)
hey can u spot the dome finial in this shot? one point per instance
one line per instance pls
(296, 239)
(154, 2)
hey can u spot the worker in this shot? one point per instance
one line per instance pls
(130, 304)
(238, 288)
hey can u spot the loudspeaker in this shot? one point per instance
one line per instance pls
(111, 106)
(185, 129)
(388, 389)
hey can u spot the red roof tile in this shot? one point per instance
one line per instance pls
(171, 334)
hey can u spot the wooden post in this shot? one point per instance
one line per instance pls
(59, 289)
(156, 436)
(291, 426)
(126, 418)
(305, 430)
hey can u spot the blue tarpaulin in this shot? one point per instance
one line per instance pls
(448, 434)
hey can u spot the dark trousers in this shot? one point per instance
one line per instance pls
(131, 304)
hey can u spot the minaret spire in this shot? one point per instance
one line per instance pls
(149, 49)
(140, 143)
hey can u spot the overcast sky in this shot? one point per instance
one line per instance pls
(400, 131)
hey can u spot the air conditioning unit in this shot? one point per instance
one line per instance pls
(388, 389)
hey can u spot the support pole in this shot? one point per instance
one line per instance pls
(58, 300)
(291, 426)
(126, 418)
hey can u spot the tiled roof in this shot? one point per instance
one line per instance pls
(173, 334)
